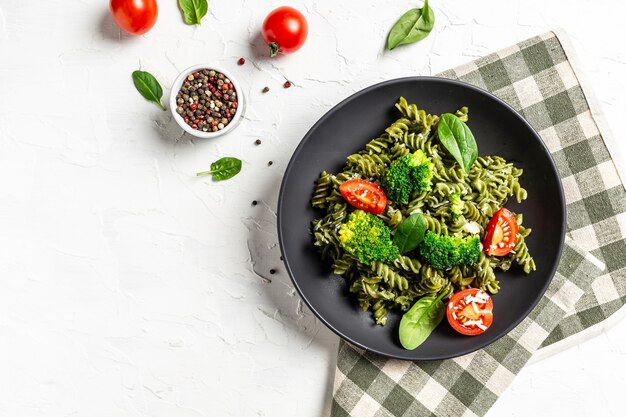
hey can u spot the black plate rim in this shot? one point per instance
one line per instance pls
(354, 96)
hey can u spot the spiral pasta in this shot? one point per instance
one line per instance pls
(322, 190)
(380, 287)
(391, 277)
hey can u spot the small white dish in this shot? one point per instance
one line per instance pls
(178, 83)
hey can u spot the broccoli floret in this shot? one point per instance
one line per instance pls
(367, 238)
(411, 172)
(397, 181)
(456, 205)
(444, 252)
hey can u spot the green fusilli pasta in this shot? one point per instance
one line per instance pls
(491, 181)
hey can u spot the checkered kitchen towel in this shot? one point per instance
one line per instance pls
(537, 79)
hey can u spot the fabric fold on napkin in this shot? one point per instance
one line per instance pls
(537, 79)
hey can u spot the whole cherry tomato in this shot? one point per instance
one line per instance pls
(134, 16)
(285, 29)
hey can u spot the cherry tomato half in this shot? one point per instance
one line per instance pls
(285, 29)
(470, 311)
(134, 16)
(364, 195)
(501, 234)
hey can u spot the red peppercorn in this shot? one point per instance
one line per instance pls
(234, 104)
(194, 126)
(193, 106)
(241, 61)
(287, 84)
(186, 119)
(196, 121)
(226, 96)
(211, 79)
(218, 94)
(214, 123)
(224, 87)
(196, 74)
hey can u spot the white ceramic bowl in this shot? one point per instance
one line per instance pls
(199, 133)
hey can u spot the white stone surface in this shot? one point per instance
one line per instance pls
(128, 285)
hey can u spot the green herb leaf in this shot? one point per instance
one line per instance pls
(420, 321)
(458, 140)
(148, 87)
(410, 233)
(224, 168)
(412, 27)
(193, 10)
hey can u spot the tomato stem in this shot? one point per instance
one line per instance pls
(274, 49)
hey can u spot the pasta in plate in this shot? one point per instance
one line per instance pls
(491, 181)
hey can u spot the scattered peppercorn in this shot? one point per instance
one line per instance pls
(241, 61)
(207, 100)
(269, 164)
(266, 89)
(254, 202)
(272, 271)
(258, 141)
(287, 84)
(281, 258)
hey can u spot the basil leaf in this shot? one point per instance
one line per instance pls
(458, 140)
(193, 10)
(420, 321)
(413, 26)
(148, 87)
(410, 233)
(224, 168)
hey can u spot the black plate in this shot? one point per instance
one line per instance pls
(345, 129)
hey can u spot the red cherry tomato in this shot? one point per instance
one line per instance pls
(501, 234)
(134, 16)
(470, 311)
(285, 29)
(364, 195)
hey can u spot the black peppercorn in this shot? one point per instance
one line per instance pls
(258, 141)
(201, 97)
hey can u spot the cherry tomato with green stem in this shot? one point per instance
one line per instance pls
(285, 29)
(134, 16)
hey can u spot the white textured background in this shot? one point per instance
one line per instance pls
(129, 287)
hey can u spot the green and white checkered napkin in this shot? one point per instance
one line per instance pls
(537, 79)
